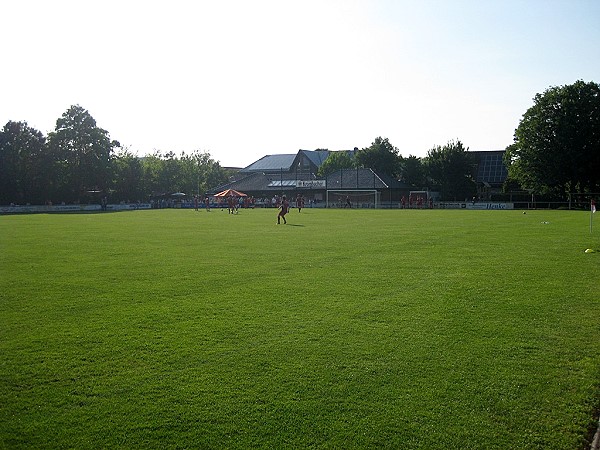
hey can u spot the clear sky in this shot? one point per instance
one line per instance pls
(241, 79)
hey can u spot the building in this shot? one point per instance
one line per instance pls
(293, 174)
(490, 172)
(303, 165)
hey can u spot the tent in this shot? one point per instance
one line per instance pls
(228, 192)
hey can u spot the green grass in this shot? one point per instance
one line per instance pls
(343, 329)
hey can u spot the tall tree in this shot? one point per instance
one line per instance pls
(191, 174)
(556, 146)
(170, 174)
(84, 152)
(413, 171)
(451, 168)
(210, 171)
(335, 161)
(381, 156)
(151, 165)
(24, 167)
(128, 181)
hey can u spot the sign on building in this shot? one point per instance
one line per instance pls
(311, 184)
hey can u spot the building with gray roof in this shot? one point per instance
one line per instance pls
(294, 174)
(271, 164)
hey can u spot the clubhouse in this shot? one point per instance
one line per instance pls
(296, 174)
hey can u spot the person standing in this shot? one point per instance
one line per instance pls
(283, 210)
(230, 204)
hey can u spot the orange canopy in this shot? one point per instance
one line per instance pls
(228, 192)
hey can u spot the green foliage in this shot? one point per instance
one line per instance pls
(84, 152)
(210, 171)
(178, 329)
(381, 156)
(192, 174)
(413, 171)
(557, 142)
(128, 182)
(451, 168)
(24, 164)
(79, 157)
(336, 161)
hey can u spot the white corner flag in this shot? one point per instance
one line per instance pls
(592, 211)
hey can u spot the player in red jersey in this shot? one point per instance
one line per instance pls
(283, 210)
(299, 202)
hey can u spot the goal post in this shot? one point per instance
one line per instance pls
(353, 198)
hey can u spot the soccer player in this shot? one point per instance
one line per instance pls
(283, 210)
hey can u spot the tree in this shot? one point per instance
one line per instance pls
(161, 173)
(24, 167)
(210, 171)
(170, 176)
(381, 156)
(451, 168)
(79, 157)
(83, 151)
(128, 183)
(191, 174)
(413, 171)
(556, 146)
(335, 161)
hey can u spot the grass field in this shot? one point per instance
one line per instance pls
(343, 329)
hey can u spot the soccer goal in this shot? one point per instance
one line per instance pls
(353, 198)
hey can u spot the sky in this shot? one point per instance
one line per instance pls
(241, 79)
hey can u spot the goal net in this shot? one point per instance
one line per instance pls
(353, 198)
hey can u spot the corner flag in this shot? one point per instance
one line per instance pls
(592, 211)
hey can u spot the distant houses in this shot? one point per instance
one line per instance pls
(296, 174)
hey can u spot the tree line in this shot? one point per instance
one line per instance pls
(556, 151)
(78, 162)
